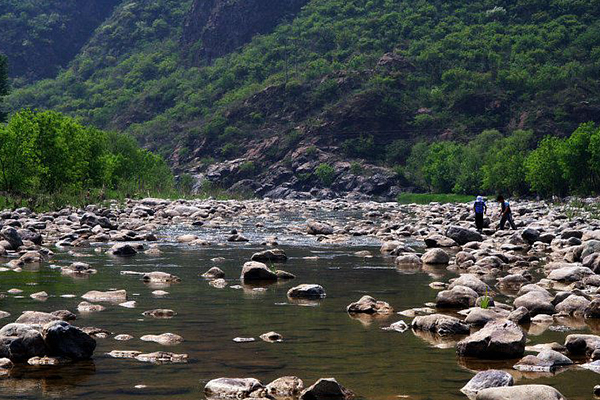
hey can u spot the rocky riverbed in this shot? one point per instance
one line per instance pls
(290, 298)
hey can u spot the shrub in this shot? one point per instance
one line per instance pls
(325, 173)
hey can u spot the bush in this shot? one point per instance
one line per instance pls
(363, 147)
(325, 173)
(247, 169)
(230, 150)
(356, 168)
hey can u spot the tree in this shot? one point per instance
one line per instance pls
(4, 86)
(442, 166)
(504, 170)
(575, 159)
(543, 171)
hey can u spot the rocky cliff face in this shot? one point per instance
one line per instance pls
(40, 38)
(216, 27)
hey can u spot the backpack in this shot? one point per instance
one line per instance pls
(479, 206)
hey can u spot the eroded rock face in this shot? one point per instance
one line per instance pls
(368, 305)
(521, 392)
(66, 340)
(237, 388)
(496, 340)
(326, 389)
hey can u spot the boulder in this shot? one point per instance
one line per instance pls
(593, 309)
(521, 392)
(160, 277)
(435, 256)
(547, 360)
(36, 318)
(271, 255)
(473, 282)
(480, 316)
(457, 297)
(463, 235)
(592, 262)
(214, 273)
(437, 240)
(573, 305)
(569, 274)
(520, 316)
(496, 340)
(272, 337)
(236, 388)
(123, 250)
(443, 325)
(537, 302)
(530, 235)
(286, 387)
(165, 339)
(256, 271)
(307, 291)
(579, 344)
(11, 235)
(113, 296)
(66, 340)
(20, 342)
(319, 228)
(160, 313)
(409, 259)
(326, 389)
(368, 305)
(487, 379)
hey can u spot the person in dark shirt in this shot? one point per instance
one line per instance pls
(505, 213)
(480, 208)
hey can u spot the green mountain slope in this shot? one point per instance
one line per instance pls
(368, 76)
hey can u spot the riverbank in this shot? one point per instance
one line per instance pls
(438, 288)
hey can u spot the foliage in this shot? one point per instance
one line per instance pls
(356, 168)
(363, 147)
(325, 173)
(543, 168)
(4, 86)
(474, 65)
(46, 152)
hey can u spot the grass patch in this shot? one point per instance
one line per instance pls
(426, 198)
(579, 209)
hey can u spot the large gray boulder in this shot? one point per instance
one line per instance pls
(20, 342)
(457, 297)
(463, 235)
(271, 255)
(36, 318)
(579, 344)
(537, 302)
(257, 271)
(368, 305)
(436, 256)
(11, 235)
(487, 379)
(326, 389)
(573, 305)
(318, 228)
(66, 340)
(471, 281)
(521, 392)
(530, 235)
(496, 340)
(443, 325)
(286, 387)
(307, 291)
(236, 388)
(570, 274)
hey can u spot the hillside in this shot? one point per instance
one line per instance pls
(332, 82)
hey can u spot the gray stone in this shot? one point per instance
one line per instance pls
(463, 235)
(256, 271)
(66, 340)
(326, 389)
(521, 392)
(487, 379)
(496, 340)
(236, 388)
(443, 325)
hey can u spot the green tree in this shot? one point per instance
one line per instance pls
(4, 86)
(575, 159)
(442, 166)
(543, 170)
(504, 167)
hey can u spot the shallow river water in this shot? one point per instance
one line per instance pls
(320, 340)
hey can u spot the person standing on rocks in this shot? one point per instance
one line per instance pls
(505, 213)
(480, 208)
